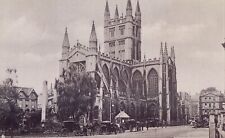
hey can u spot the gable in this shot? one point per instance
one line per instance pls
(77, 56)
(22, 95)
(33, 95)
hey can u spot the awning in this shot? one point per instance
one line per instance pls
(122, 114)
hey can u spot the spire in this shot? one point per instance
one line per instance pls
(116, 13)
(93, 36)
(66, 42)
(129, 8)
(165, 50)
(138, 12)
(107, 12)
(172, 54)
(161, 49)
(138, 8)
(93, 47)
(107, 7)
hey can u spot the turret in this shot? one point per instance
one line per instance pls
(129, 10)
(165, 53)
(138, 13)
(172, 54)
(91, 60)
(93, 39)
(161, 53)
(107, 13)
(65, 45)
(116, 17)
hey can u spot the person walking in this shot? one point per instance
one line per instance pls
(147, 125)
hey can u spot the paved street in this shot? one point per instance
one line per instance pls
(169, 132)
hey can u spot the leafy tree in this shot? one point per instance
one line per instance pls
(76, 94)
(10, 114)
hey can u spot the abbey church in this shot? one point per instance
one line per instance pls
(142, 88)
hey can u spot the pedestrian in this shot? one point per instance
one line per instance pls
(142, 126)
(216, 121)
(163, 123)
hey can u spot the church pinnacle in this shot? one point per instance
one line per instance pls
(165, 50)
(65, 45)
(107, 12)
(93, 36)
(138, 11)
(66, 42)
(116, 13)
(172, 54)
(129, 8)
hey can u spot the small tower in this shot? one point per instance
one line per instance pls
(106, 14)
(138, 13)
(91, 60)
(65, 45)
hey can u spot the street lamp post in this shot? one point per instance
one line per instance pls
(223, 44)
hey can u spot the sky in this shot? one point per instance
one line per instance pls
(32, 33)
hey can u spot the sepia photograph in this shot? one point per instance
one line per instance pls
(112, 68)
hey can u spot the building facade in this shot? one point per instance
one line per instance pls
(185, 107)
(195, 106)
(142, 88)
(210, 101)
(28, 98)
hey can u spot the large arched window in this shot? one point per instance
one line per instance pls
(137, 84)
(115, 77)
(122, 88)
(152, 83)
(116, 72)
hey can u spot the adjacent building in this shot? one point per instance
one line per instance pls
(185, 99)
(28, 98)
(210, 101)
(143, 88)
(195, 106)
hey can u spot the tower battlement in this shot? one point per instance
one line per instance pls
(122, 34)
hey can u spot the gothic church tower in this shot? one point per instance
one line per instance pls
(122, 35)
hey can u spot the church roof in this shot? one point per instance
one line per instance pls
(26, 91)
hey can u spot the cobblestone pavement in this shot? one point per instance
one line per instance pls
(168, 132)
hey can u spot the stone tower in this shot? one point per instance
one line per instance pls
(122, 35)
(65, 53)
